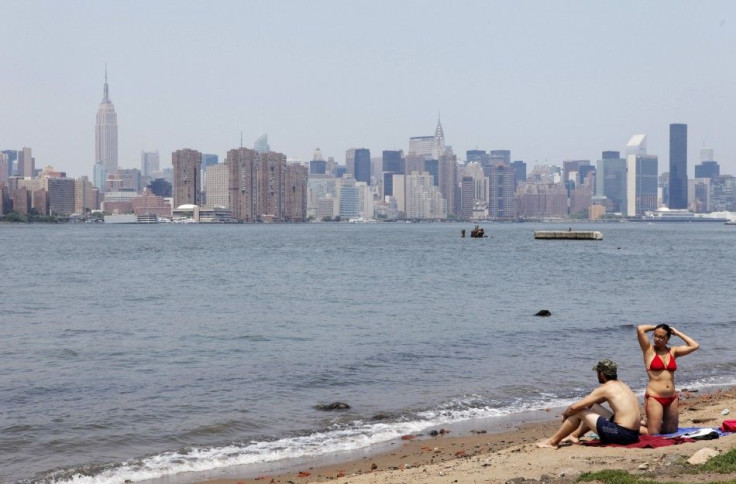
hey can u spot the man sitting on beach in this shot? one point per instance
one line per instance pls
(618, 427)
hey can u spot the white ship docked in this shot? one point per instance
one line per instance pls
(665, 214)
(131, 218)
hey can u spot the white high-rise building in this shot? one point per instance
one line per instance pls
(106, 133)
(216, 180)
(423, 199)
(706, 154)
(26, 163)
(421, 146)
(149, 163)
(364, 200)
(319, 188)
(635, 148)
(3, 171)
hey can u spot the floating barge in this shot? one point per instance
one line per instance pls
(568, 235)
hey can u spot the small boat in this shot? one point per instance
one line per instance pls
(476, 233)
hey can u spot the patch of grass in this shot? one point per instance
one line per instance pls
(618, 477)
(721, 464)
(609, 477)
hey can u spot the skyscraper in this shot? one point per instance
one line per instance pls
(295, 193)
(149, 163)
(570, 170)
(61, 195)
(438, 145)
(209, 160)
(646, 183)
(4, 172)
(12, 156)
(502, 202)
(363, 165)
(707, 169)
(504, 156)
(261, 145)
(99, 175)
(611, 180)
(519, 171)
(421, 146)
(187, 183)
(358, 164)
(678, 166)
(393, 163)
(447, 181)
(26, 163)
(106, 133)
(468, 191)
(477, 156)
(271, 173)
(216, 186)
(635, 148)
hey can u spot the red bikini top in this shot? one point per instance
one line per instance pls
(658, 365)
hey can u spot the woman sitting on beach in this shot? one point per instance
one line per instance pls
(660, 399)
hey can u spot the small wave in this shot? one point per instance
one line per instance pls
(340, 437)
(74, 332)
(249, 337)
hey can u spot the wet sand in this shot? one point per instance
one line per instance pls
(483, 457)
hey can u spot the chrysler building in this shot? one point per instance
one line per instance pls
(438, 147)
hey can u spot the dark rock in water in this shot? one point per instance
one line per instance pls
(332, 406)
(543, 312)
(380, 416)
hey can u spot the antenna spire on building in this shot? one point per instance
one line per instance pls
(106, 93)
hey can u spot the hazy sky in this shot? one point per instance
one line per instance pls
(549, 80)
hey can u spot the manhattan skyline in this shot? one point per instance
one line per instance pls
(550, 82)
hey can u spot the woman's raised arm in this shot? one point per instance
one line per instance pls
(690, 344)
(641, 334)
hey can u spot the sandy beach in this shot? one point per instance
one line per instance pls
(483, 457)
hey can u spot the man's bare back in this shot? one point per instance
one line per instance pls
(623, 402)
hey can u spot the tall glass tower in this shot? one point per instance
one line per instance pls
(106, 133)
(678, 166)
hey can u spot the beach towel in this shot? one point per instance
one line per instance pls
(686, 431)
(645, 442)
(683, 435)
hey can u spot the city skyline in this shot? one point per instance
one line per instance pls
(547, 82)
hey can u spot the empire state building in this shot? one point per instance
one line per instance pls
(106, 133)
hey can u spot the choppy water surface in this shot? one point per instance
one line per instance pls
(139, 352)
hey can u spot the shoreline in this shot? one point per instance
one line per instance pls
(482, 454)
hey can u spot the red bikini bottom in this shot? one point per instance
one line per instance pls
(664, 401)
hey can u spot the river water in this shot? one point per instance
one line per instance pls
(183, 351)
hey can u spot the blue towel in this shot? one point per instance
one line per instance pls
(685, 430)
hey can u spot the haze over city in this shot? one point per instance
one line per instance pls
(550, 81)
